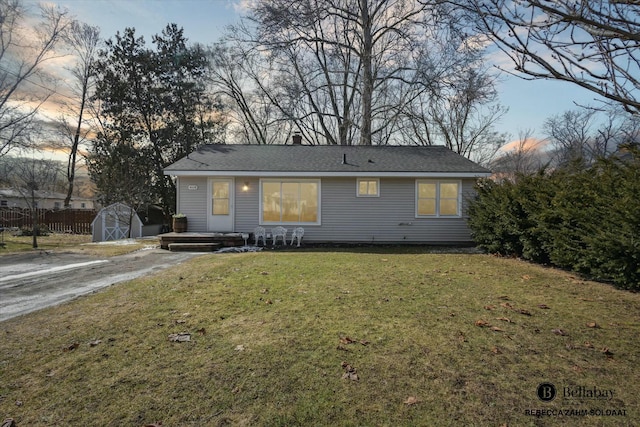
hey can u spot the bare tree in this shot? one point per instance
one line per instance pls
(235, 75)
(347, 61)
(593, 44)
(33, 179)
(457, 106)
(23, 51)
(525, 156)
(84, 41)
(584, 135)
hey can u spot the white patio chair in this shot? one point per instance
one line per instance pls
(281, 232)
(260, 233)
(297, 233)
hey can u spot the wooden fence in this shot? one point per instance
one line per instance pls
(77, 221)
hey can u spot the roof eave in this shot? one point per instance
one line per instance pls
(330, 174)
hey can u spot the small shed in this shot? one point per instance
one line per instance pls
(115, 222)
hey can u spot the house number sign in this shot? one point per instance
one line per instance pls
(192, 187)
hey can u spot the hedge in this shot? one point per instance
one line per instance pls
(585, 220)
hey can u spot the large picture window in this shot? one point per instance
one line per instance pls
(437, 198)
(290, 201)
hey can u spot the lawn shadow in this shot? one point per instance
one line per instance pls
(380, 248)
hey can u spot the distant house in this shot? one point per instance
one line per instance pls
(372, 194)
(12, 198)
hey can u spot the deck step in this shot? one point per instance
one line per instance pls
(194, 247)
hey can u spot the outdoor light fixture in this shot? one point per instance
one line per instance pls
(245, 187)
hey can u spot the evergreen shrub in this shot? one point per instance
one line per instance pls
(585, 220)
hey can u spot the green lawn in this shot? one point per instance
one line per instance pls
(279, 338)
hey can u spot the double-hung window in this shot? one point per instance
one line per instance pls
(290, 201)
(437, 198)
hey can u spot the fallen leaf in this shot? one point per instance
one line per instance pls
(506, 305)
(606, 351)
(180, 321)
(526, 277)
(503, 297)
(496, 350)
(350, 376)
(411, 400)
(71, 347)
(180, 337)
(239, 347)
(268, 301)
(559, 332)
(482, 323)
(588, 344)
(94, 343)
(496, 329)
(523, 311)
(201, 331)
(489, 307)
(504, 319)
(264, 291)
(364, 342)
(593, 325)
(158, 424)
(264, 273)
(9, 422)
(342, 348)
(349, 372)
(461, 337)
(346, 340)
(543, 306)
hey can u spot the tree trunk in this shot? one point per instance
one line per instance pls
(367, 80)
(34, 220)
(71, 166)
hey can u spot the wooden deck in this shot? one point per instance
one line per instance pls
(199, 242)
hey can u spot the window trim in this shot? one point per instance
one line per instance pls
(438, 182)
(376, 180)
(289, 180)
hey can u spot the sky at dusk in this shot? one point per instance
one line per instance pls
(204, 21)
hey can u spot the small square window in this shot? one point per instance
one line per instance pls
(368, 187)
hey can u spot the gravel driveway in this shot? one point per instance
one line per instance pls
(35, 280)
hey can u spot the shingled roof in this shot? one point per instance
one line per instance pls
(332, 160)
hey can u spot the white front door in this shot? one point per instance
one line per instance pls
(220, 204)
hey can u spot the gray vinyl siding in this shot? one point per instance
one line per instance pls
(247, 204)
(344, 217)
(193, 202)
(388, 218)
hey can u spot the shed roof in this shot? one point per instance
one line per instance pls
(321, 160)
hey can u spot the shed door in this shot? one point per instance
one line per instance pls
(115, 225)
(221, 204)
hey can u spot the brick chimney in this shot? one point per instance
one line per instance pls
(297, 138)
